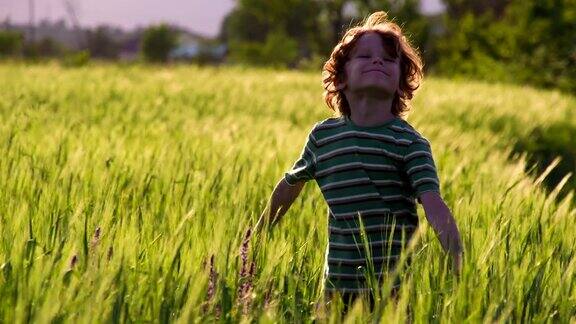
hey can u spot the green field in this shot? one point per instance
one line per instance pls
(117, 185)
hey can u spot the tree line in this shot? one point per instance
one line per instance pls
(153, 43)
(522, 41)
(526, 41)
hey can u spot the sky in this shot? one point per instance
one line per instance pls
(200, 16)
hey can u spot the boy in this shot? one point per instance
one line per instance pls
(371, 165)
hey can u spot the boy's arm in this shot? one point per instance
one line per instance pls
(444, 225)
(281, 199)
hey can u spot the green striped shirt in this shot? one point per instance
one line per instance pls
(370, 178)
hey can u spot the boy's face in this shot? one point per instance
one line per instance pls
(370, 69)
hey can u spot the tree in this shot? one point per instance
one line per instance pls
(315, 25)
(277, 50)
(157, 42)
(545, 41)
(101, 44)
(530, 41)
(459, 8)
(252, 21)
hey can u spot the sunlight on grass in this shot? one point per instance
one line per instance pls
(119, 184)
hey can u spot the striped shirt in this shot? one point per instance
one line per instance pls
(370, 178)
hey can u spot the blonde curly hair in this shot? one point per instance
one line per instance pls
(411, 65)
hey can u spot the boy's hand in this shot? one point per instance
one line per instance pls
(443, 223)
(457, 264)
(281, 199)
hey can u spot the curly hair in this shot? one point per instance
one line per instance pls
(395, 43)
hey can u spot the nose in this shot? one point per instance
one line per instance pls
(377, 59)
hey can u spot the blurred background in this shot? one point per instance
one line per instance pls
(519, 41)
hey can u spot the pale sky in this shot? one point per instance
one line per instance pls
(201, 16)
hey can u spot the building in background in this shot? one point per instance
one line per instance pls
(197, 48)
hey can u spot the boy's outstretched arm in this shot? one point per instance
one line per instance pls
(441, 219)
(280, 201)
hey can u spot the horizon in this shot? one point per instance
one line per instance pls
(203, 17)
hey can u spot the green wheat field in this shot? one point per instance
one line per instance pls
(126, 193)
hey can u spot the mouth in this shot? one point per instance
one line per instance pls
(379, 71)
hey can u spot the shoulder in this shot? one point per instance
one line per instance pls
(328, 123)
(327, 127)
(404, 129)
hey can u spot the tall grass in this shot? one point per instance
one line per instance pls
(126, 194)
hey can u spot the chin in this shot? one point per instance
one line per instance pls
(377, 89)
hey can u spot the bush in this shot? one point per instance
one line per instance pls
(76, 59)
(48, 47)
(157, 43)
(10, 43)
(31, 51)
(545, 144)
(277, 50)
(313, 63)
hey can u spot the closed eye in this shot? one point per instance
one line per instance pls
(368, 56)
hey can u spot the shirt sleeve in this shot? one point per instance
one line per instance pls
(420, 168)
(305, 166)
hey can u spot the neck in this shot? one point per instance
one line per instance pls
(369, 111)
